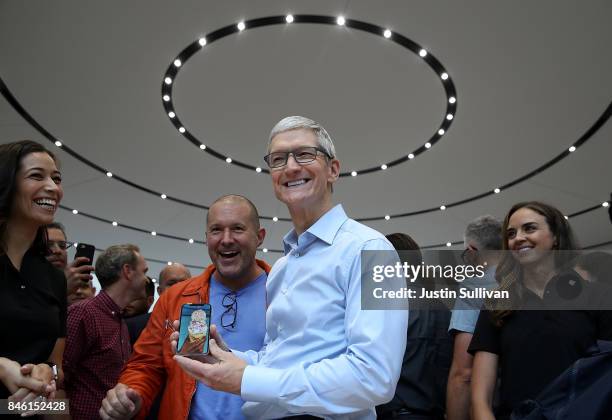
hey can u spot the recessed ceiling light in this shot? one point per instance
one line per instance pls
(449, 244)
(258, 169)
(181, 130)
(191, 240)
(289, 18)
(177, 63)
(427, 145)
(383, 166)
(444, 76)
(75, 211)
(168, 80)
(58, 143)
(452, 100)
(163, 196)
(605, 204)
(154, 233)
(340, 21)
(496, 190)
(423, 52)
(442, 207)
(166, 98)
(387, 217)
(228, 160)
(241, 26)
(354, 173)
(275, 219)
(202, 41)
(441, 131)
(109, 174)
(265, 250)
(411, 156)
(450, 117)
(203, 146)
(171, 114)
(387, 33)
(115, 224)
(572, 149)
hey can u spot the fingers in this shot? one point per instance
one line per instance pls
(192, 367)
(27, 368)
(118, 402)
(176, 324)
(19, 395)
(32, 384)
(214, 333)
(79, 261)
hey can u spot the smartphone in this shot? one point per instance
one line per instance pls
(85, 250)
(194, 330)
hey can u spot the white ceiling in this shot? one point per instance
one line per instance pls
(531, 78)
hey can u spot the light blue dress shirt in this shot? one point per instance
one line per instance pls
(322, 354)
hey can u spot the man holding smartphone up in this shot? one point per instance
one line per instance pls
(323, 355)
(234, 288)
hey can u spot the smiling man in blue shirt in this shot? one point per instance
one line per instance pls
(323, 356)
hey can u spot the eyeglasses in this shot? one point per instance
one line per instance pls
(64, 245)
(230, 303)
(301, 155)
(467, 256)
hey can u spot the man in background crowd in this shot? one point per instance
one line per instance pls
(78, 277)
(97, 339)
(483, 239)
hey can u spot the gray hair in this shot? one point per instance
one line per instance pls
(486, 231)
(295, 123)
(112, 260)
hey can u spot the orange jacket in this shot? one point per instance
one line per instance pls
(151, 365)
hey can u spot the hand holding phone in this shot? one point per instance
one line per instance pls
(194, 330)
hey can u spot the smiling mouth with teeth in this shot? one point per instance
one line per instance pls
(228, 254)
(46, 203)
(294, 183)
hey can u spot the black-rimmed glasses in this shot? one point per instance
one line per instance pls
(229, 316)
(64, 245)
(301, 155)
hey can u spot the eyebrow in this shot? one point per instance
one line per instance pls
(37, 168)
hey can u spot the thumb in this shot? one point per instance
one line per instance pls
(215, 350)
(133, 395)
(26, 369)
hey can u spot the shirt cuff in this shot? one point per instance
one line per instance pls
(261, 384)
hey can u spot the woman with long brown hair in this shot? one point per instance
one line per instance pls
(535, 345)
(32, 291)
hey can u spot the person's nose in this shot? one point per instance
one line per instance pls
(292, 164)
(227, 237)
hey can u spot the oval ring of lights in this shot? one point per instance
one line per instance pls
(116, 224)
(181, 59)
(586, 136)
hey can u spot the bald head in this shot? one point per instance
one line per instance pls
(172, 274)
(236, 199)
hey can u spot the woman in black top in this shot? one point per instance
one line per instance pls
(32, 291)
(532, 347)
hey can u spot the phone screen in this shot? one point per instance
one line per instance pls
(194, 329)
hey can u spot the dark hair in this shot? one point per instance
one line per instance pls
(150, 287)
(112, 260)
(509, 273)
(598, 264)
(11, 156)
(403, 242)
(58, 226)
(238, 198)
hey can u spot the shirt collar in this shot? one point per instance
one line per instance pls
(324, 229)
(108, 303)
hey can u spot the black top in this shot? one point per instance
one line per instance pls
(422, 385)
(135, 326)
(32, 310)
(536, 346)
